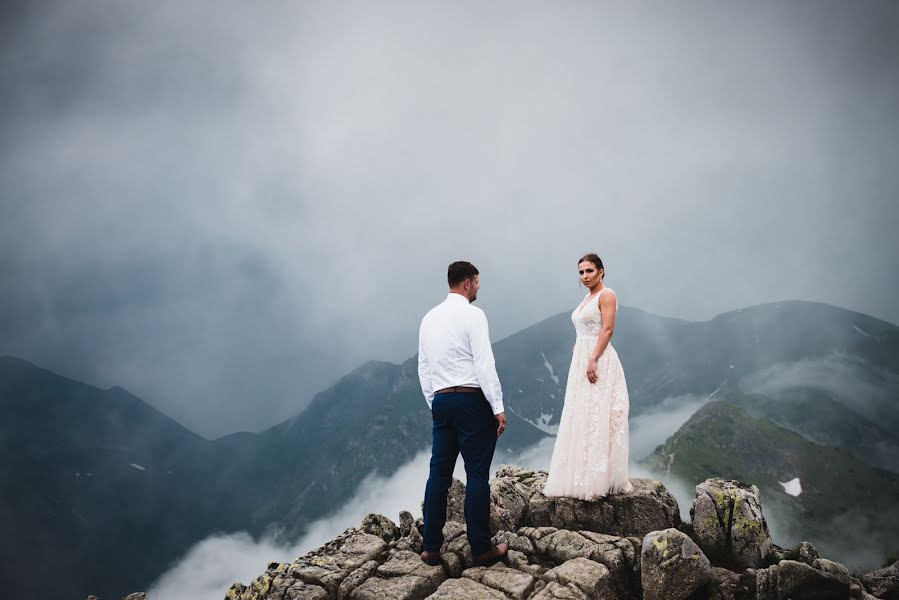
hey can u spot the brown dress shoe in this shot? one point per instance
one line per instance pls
(431, 558)
(494, 555)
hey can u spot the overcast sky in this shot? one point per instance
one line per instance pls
(225, 207)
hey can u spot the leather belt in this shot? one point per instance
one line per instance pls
(458, 389)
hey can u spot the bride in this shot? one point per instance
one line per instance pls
(590, 455)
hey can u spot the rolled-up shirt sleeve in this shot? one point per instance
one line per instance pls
(484, 363)
(424, 368)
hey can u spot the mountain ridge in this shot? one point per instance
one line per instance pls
(374, 419)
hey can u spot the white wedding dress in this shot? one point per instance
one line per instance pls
(590, 455)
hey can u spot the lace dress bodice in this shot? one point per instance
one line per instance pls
(587, 317)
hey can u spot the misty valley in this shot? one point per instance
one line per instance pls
(797, 398)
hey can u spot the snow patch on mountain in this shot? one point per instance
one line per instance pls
(792, 487)
(549, 368)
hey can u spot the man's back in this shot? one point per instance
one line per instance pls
(454, 350)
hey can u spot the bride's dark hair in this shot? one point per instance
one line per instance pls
(596, 260)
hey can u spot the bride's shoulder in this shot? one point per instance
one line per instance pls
(608, 293)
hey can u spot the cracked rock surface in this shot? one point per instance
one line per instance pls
(729, 525)
(618, 547)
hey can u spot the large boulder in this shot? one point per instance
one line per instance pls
(510, 493)
(590, 577)
(795, 580)
(380, 526)
(883, 583)
(729, 525)
(672, 566)
(518, 501)
(455, 502)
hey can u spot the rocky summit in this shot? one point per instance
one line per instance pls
(620, 546)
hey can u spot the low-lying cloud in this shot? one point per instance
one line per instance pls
(212, 565)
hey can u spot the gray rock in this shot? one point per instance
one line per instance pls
(329, 565)
(672, 566)
(833, 569)
(559, 591)
(509, 498)
(648, 507)
(455, 502)
(409, 563)
(454, 589)
(807, 553)
(407, 587)
(518, 543)
(355, 579)
(592, 578)
(723, 584)
(615, 553)
(798, 581)
(883, 583)
(406, 523)
(857, 591)
(562, 545)
(729, 525)
(380, 526)
(258, 588)
(281, 581)
(620, 557)
(455, 540)
(509, 581)
(404, 576)
(304, 591)
(136, 596)
(452, 564)
(535, 533)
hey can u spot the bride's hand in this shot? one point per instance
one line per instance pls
(591, 371)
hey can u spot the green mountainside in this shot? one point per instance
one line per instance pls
(722, 440)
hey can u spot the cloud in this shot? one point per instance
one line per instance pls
(852, 381)
(212, 565)
(223, 210)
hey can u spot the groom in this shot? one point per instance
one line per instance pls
(460, 384)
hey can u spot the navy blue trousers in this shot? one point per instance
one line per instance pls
(462, 423)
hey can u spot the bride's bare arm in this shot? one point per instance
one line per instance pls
(607, 309)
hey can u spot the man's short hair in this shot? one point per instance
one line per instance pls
(459, 271)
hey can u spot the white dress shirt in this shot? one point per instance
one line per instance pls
(454, 350)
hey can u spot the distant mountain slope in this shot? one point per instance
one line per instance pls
(721, 440)
(100, 474)
(824, 419)
(666, 358)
